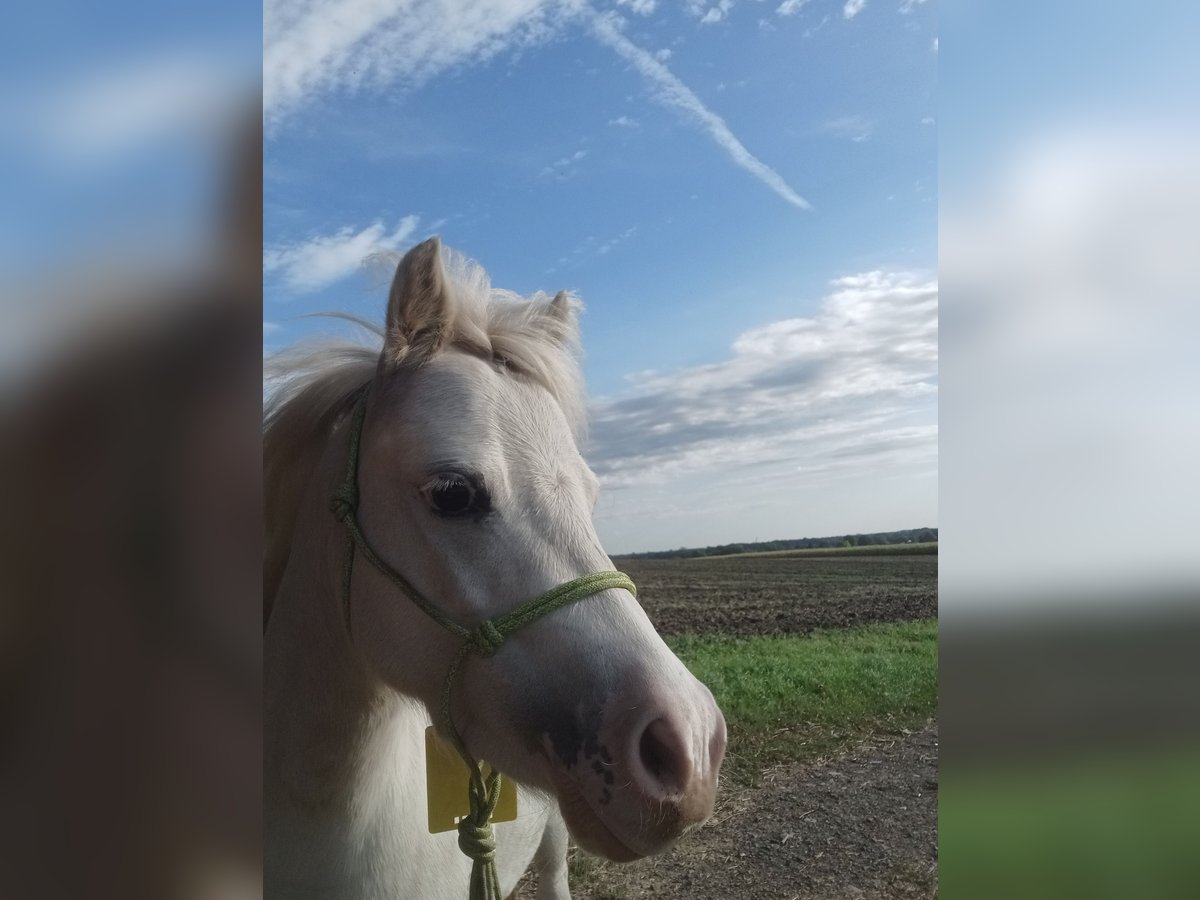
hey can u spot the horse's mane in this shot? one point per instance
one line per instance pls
(311, 386)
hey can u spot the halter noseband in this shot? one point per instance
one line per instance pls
(475, 836)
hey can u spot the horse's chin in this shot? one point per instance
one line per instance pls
(585, 824)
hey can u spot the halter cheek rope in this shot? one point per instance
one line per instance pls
(475, 837)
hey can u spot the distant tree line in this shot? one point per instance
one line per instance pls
(907, 536)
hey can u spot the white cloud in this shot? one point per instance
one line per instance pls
(846, 388)
(717, 12)
(670, 91)
(662, 55)
(641, 7)
(809, 32)
(853, 8)
(791, 7)
(593, 246)
(623, 122)
(564, 167)
(909, 5)
(320, 261)
(317, 47)
(933, 46)
(928, 120)
(855, 128)
(609, 245)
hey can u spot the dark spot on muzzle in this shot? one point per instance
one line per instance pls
(564, 738)
(569, 710)
(573, 737)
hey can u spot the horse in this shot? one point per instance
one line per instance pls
(473, 491)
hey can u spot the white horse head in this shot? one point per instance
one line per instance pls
(474, 488)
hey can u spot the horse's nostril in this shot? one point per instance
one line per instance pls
(662, 757)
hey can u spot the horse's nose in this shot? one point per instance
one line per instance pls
(662, 764)
(674, 756)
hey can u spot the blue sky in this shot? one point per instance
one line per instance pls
(742, 193)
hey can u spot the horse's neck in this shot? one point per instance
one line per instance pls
(340, 747)
(345, 795)
(321, 702)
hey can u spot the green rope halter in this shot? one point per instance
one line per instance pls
(475, 837)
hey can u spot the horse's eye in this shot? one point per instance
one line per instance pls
(455, 495)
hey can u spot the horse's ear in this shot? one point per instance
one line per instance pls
(562, 318)
(419, 309)
(560, 306)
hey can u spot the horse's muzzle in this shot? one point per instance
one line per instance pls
(648, 776)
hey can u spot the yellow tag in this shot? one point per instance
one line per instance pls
(447, 787)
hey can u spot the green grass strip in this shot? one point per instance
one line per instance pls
(799, 697)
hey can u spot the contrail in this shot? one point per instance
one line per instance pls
(673, 92)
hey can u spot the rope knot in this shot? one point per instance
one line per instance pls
(476, 841)
(344, 502)
(486, 639)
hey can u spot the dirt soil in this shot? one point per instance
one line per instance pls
(782, 595)
(859, 827)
